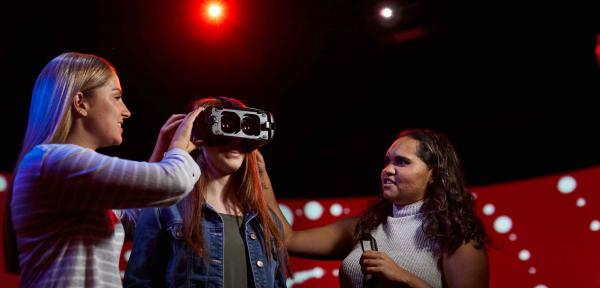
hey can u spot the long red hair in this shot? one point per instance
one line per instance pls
(248, 197)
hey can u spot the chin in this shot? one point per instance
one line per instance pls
(231, 168)
(114, 142)
(389, 195)
(229, 171)
(235, 164)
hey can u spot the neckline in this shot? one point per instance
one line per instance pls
(231, 215)
(407, 210)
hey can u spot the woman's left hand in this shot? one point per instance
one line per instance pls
(381, 265)
(260, 160)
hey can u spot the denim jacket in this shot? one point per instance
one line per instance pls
(161, 258)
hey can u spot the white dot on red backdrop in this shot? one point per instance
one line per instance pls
(524, 255)
(566, 184)
(595, 225)
(287, 213)
(580, 202)
(540, 286)
(319, 272)
(304, 275)
(335, 209)
(532, 270)
(313, 210)
(3, 183)
(346, 210)
(335, 272)
(503, 224)
(512, 237)
(489, 209)
(298, 212)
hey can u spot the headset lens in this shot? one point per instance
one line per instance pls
(230, 123)
(251, 125)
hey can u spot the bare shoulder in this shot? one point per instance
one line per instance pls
(467, 266)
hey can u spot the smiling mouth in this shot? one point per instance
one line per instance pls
(234, 153)
(388, 182)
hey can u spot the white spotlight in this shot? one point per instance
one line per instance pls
(386, 12)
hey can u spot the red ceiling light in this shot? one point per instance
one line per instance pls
(214, 12)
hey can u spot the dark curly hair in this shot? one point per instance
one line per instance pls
(450, 219)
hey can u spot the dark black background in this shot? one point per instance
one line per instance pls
(514, 85)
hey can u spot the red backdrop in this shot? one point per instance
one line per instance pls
(546, 231)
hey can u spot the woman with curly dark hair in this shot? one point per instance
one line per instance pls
(423, 226)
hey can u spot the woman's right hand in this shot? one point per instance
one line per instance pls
(182, 138)
(164, 137)
(384, 267)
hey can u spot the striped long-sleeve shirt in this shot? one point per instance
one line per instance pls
(67, 233)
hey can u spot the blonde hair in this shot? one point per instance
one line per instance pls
(50, 112)
(51, 116)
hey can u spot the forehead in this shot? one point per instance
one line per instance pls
(404, 146)
(114, 82)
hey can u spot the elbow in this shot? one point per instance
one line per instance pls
(182, 184)
(185, 182)
(182, 191)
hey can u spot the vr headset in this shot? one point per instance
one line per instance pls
(219, 126)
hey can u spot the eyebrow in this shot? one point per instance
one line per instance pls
(118, 90)
(396, 157)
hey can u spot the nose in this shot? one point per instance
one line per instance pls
(388, 170)
(126, 113)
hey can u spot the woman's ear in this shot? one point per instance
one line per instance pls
(80, 104)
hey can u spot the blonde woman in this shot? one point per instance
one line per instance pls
(61, 206)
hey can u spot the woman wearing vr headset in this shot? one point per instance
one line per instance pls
(423, 225)
(60, 221)
(221, 235)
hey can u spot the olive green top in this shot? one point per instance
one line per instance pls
(237, 273)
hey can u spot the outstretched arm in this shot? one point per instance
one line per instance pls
(81, 179)
(332, 241)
